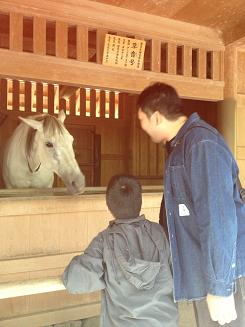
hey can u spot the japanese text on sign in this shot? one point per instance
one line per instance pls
(123, 52)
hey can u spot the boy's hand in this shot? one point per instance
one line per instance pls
(221, 309)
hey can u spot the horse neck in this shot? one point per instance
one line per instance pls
(17, 146)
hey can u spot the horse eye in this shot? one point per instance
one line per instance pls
(49, 144)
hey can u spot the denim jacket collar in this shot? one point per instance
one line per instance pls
(193, 118)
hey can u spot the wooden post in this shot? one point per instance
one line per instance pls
(16, 32)
(92, 103)
(82, 43)
(112, 105)
(216, 65)
(171, 58)
(102, 103)
(202, 63)
(39, 35)
(156, 56)
(187, 60)
(61, 40)
(100, 40)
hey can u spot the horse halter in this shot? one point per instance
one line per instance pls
(36, 170)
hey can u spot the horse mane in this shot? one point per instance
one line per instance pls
(51, 126)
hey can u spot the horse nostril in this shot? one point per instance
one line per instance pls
(73, 183)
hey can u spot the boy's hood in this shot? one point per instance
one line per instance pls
(139, 272)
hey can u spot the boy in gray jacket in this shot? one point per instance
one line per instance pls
(130, 262)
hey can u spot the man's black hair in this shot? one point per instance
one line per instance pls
(160, 97)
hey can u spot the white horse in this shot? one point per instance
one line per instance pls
(39, 147)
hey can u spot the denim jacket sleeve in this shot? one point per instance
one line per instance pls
(209, 169)
(85, 272)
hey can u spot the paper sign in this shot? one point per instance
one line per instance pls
(123, 52)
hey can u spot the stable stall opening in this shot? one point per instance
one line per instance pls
(107, 137)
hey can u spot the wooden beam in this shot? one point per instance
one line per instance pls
(16, 266)
(30, 287)
(53, 316)
(235, 36)
(99, 15)
(72, 72)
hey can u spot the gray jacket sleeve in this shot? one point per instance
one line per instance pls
(85, 272)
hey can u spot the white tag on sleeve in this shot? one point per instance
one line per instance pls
(183, 210)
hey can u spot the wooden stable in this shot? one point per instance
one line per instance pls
(50, 59)
(39, 233)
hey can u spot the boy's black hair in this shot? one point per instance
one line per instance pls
(123, 196)
(160, 97)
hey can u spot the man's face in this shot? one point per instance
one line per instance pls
(152, 126)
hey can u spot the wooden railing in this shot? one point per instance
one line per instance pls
(63, 40)
(66, 47)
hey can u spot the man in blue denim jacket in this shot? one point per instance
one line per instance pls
(205, 213)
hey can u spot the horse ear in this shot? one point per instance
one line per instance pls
(35, 124)
(62, 116)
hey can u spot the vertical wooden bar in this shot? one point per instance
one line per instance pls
(222, 65)
(16, 95)
(82, 43)
(33, 96)
(187, 60)
(160, 159)
(61, 40)
(92, 103)
(97, 103)
(100, 40)
(3, 95)
(215, 65)
(171, 58)
(22, 98)
(50, 99)
(112, 105)
(116, 94)
(39, 35)
(156, 56)
(102, 104)
(152, 159)
(82, 102)
(9, 94)
(72, 102)
(121, 105)
(77, 102)
(202, 63)
(56, 98)
(39, 97)
(28, 97)
(16, 32)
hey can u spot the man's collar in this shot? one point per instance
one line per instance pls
(193, 118)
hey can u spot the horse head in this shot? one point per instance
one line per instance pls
(49, 145)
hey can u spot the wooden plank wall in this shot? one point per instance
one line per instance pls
(45, 44)
(37, 241)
